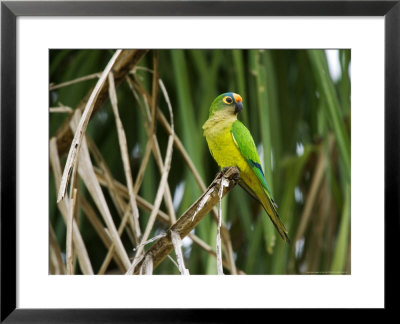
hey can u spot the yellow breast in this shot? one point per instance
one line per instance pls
(224, 150)
(217, 130)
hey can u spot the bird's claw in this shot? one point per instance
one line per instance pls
(224, 171)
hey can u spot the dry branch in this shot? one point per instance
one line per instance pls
(189, 220)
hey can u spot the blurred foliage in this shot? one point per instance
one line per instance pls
(299, 117)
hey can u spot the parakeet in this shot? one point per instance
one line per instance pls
(231, 144)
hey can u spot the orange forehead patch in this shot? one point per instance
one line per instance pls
(237, 97)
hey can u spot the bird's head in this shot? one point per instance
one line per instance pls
(227, 102)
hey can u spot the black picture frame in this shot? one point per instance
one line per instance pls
(10, 10)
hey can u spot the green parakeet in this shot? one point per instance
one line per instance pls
(231, 144)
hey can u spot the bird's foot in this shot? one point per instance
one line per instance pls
(224, 171)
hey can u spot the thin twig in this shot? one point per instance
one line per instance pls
(81, 128)
(118, 201)
(173, 261)
(63, 206)
(177, 243)
(69, 247)
(147, 266)
(154, 238)
(142, 168)
(165, 172)
(111, 249)
(160, 192)
(154, 145)
(99, 228)
(61, 110)
(223, 183)
(77, 80)
(125, 156)
(55, 253)
(312, 194)
(181, 149)
(167, 194)
(123, 191)
(154, 94)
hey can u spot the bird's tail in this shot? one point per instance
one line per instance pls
(270, 207)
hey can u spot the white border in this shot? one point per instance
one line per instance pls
(363, 288)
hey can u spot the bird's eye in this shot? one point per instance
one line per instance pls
(228, 100)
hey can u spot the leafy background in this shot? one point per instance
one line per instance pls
(299, 114)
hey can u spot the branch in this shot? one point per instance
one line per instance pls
(162, 216)
(189, 220)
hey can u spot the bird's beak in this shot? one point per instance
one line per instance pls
(238, 107)
(238, 103)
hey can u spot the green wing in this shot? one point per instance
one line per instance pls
(245, 143)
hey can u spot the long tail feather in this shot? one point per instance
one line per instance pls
(270, 208)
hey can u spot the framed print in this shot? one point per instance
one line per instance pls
(228, 148)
